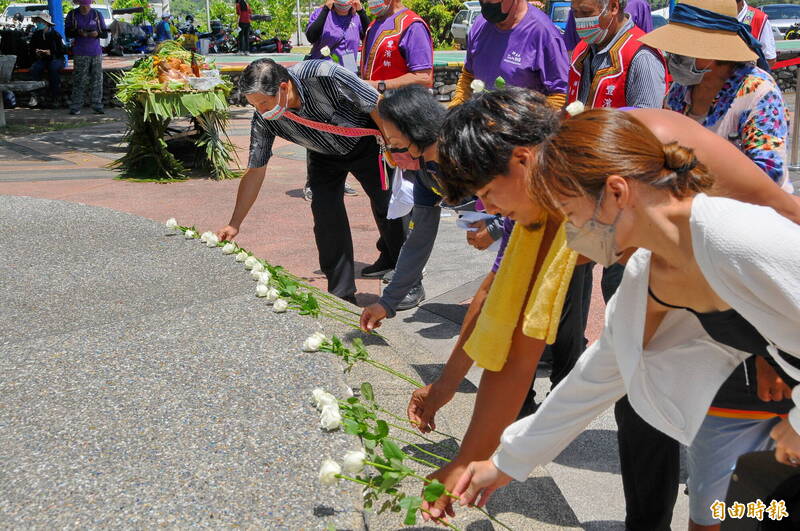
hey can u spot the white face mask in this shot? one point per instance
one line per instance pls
(595, 240)
(279, 110)
(684, 70)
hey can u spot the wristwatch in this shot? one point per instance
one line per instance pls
(381, 87)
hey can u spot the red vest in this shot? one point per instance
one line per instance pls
(384, 61)
(608, 85)
(756, 20)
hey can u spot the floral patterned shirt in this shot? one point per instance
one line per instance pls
(749, 110)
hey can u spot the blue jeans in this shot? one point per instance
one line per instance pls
(53, 68)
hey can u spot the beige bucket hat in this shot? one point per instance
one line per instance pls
(44, 16)
(702, 43)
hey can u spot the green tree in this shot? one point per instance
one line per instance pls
(149, 14)
(439, 15)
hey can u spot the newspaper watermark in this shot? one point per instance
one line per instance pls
(776, 510)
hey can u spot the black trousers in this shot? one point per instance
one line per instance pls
(649, 459)
(244, 37)
(326, 176)
(570, 341)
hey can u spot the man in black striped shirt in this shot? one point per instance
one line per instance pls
(320, 91)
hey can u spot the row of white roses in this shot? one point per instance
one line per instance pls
(251, 263)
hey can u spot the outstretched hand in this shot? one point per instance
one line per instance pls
(481, 478)
(227, 233)
(372, 316)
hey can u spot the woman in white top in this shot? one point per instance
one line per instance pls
(734, 266)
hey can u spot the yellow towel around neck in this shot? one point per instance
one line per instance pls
(490, 341)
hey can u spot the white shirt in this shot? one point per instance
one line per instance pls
(767, 38)
(750, 255)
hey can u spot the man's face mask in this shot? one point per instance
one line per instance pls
(595, 240)
(404, 160)
(684, 70)
(378, 8)
(590, 30)
(279, 110)
(40, 25)
(493, 13)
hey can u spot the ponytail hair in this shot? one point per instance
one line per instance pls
(590, 147)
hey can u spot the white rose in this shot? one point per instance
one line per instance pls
(325, 51)
(228, 248)
(172, 223)
(280, 306)
(330, 419)
(204, 237)
(212, 240)
(251, 262)
(322, 398)
(242, 256)
(328, 472)
(262, 290)
(272, 294)
(353, 462)
(575, 108)
(256, 272)
(477, 86)
(189, 234)
(264, 277)
(312, 344)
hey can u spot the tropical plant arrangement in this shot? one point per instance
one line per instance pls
(170, 84)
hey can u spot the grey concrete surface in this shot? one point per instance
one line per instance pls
(144, 385)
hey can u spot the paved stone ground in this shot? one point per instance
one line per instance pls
(57, 318)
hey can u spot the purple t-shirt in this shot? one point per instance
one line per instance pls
(91, 21)
(508, 226)
(342, 34)
(530, 55)
(416, 44)
(639, 10)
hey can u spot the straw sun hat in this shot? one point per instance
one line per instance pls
(691, 41)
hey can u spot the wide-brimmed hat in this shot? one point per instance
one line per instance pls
(44, 16)
(692, 41)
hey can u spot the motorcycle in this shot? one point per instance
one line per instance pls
(793, 33)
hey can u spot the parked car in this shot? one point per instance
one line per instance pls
(659, 21)
(21, 10)
(559, 14)
(782, 16)
(463, 20)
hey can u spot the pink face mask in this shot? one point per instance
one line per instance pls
(404, 160)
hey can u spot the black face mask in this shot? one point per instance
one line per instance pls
(493, 12)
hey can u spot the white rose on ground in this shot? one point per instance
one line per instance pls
(477, 86)
(242, 256)
(228, 248)
(204, 237)
(172, 223)
(212, 240)
(575, 108)
(312, 343)
(322, 398)
(264, 277)
(251, 262)
(262, 290)
(353, 462)
(280, 306)
(325, 51)
(328, 472)
(330, 419)
(272, 295)
(256, 272)
(189, 234)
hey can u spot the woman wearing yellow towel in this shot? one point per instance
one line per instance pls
(487, 146)
(714, 280)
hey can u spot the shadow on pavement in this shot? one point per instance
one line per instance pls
(429, 372)
(446, 329)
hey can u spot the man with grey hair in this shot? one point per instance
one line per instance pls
(639, 10)
(300, 104)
